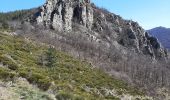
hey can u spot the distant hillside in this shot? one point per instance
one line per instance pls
(17, 15)
(163, 35)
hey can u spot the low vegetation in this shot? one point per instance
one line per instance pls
(21, 89)
(55, 71)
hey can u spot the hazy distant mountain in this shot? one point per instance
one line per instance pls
(163, 35)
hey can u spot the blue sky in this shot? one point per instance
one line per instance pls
(148, 13)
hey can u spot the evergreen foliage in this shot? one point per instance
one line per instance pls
(51, 57)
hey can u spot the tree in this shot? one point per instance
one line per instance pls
(51, 57)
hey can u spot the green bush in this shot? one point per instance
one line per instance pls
(6, 74)
(42, 81)
(4, 25)
(23, 74)
(44, 84)
(8, 62)
(64, 96)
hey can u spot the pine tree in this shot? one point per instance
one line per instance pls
(51, 57)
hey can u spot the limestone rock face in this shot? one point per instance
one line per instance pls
(103, 26)
(127, 33)
(60, 14)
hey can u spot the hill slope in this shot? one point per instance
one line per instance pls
(67, 78)
(163, 35)
(118, 47)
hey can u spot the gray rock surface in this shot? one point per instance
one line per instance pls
(127, 33)
(59, 14)
(103, 26)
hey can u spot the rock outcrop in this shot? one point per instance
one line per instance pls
(59, 14)
(62, 14)
(127, 33)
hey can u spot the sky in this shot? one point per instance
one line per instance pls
(148, 13)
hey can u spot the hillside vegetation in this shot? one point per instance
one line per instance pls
(13, 20)
(39, 61)
(16, 15)
(56, 72)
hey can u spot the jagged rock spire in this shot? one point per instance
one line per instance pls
(59, 14)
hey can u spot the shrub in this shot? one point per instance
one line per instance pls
(5, 25)
(64, 96)
(42, 81)
(23, 74)
(6, 74)
(8, 62)
(44, 84)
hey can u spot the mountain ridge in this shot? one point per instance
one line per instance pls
(120, 48)
(163, 35)
(61, 15)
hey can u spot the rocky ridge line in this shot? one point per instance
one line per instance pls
(61, 14)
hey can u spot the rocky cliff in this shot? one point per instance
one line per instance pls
(59, 14)
(100, 25)
(127, 33)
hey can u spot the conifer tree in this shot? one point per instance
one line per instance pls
(51, 57)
